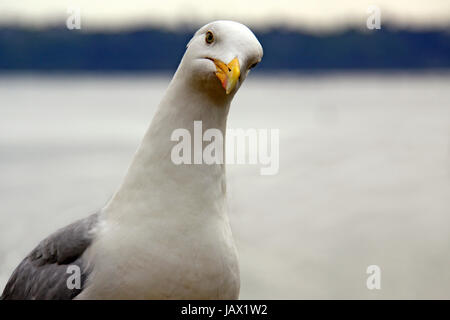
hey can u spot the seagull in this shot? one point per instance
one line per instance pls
(165, 233)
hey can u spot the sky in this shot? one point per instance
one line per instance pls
(308, 14)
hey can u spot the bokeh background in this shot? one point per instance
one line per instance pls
(364, 119)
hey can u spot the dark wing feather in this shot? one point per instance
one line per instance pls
(43, 273)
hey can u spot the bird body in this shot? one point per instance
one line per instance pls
(165, 234)
(173, 217)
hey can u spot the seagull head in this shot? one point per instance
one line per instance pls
(220, 56)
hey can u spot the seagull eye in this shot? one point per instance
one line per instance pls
(253, 65)
(209, 38)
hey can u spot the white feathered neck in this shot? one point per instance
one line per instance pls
(153, 182)
(166, 233)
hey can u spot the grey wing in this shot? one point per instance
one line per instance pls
(44, 272)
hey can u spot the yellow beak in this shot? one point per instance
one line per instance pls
(228, 74)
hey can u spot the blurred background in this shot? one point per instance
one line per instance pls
(363, 113)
